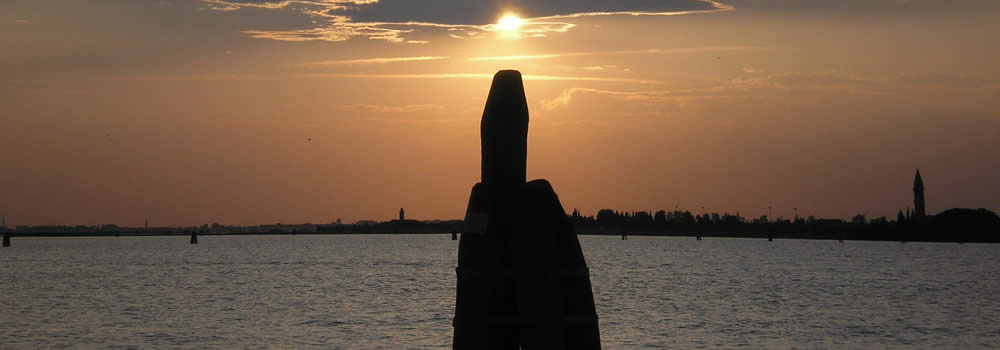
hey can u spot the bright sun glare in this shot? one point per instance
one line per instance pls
(509, 22)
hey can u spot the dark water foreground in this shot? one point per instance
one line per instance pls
(397, 292)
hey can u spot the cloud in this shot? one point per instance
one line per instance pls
(518, 57)
(870, 7)
(564, 100)
(472, 12)
(810, 81)
(394, 20)
(482, 76)
(375, 60)
(559, 102)
(800, 84)
(740, 87)
(21, 21)
(681, 50)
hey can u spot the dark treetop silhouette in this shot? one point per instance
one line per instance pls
(522, 278)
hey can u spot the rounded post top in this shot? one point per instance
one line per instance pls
(507, 74)
(504, 130)
(507, 82)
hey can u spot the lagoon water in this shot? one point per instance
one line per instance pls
(397, 292)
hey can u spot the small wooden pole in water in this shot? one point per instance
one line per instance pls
(194, 237)
(454, 235)
(6, 239)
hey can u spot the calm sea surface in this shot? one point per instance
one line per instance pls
(397, 292)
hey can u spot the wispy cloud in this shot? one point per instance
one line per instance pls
(21, 21)
(761, 85)
(232, 5)
(682, 50)
(399, 76)
(593, 79)
(374, 60)
(714, 6)
(564, 99)
(394, 20)
(518, 57)
(482, 76)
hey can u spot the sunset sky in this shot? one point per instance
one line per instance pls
(251, 112)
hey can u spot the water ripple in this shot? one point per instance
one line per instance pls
(397, 292)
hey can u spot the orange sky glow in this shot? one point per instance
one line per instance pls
(254, 112)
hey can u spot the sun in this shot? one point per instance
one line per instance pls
(509, 22)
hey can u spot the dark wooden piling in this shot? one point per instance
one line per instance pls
(523, 281)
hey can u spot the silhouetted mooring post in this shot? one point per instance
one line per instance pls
(6, 239)
(522, 278)
(194, 237)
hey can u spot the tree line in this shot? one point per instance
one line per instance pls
(953, 225)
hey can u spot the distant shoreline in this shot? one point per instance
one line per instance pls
(749, 235)
(953, 225)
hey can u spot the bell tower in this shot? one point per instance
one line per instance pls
(919, 211)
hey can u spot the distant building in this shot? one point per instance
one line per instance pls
(402, 214)
(919, 211)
